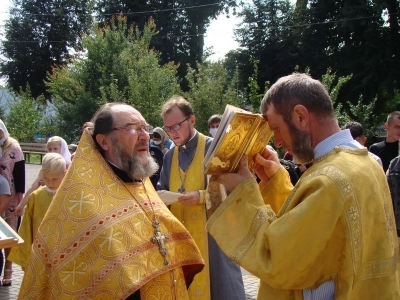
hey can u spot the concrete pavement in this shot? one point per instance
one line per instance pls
(11, 292)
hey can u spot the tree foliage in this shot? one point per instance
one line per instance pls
(40, 34)
(25, 117)
(266, 35)
(181, 25)
(118, 65)
(355, 37)
(210, 90)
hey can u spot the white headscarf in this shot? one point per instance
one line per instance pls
(64, 150)
(3, 128)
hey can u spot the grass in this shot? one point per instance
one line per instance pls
(33, 159)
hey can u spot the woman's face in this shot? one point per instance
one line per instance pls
(54, 147)
(1, 134)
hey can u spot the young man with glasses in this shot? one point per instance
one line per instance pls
(183, 171)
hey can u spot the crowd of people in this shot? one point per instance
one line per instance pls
(316, 224)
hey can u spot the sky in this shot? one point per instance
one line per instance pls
(220, 36)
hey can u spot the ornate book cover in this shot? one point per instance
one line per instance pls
(8, 237)
(240, 132)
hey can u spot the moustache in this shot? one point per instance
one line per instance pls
(141, 144)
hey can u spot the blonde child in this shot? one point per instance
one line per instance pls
(53, 169)
(55, 144)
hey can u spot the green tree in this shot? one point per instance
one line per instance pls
(210, 91)
(350, 36)
(236, 62)
(181, 25)
(118, 65)
(39, 35)
(267, 35)
(25, 116)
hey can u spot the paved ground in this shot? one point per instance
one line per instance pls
(11, 292)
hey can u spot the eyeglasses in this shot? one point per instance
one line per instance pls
(134, 128)
(175, 127)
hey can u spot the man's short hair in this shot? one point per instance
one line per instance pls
(393, 115)
(356, 129)
(214, 119)
(53, 163)
(295, 89)
(177, 101)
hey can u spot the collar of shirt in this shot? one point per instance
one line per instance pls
(192, 143)
(341, 138)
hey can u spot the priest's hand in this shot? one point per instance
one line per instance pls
(190, 198)
(232, 180)
(267, 164)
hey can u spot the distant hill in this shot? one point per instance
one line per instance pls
(6, 99)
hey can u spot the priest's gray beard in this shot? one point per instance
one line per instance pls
(135, 168)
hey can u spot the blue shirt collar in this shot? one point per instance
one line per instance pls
(341, 138)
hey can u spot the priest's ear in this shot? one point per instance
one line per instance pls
(103, 141)
(300, 116)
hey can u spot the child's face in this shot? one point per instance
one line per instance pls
(53, 179)
(54, 147)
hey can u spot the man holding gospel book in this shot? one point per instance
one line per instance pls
(183, 172)
(332, 236)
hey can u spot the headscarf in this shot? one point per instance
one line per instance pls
(162, 133)
(3, 128)
(64, 149)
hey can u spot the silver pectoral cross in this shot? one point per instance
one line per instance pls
(160, 238)
(181, 189)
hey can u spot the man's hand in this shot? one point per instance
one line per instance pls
(232, 180)
(267, 165)
(190, 198)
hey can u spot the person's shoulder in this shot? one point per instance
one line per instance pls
(377, 145)
(14, 143)
(39, 191)
(168, 143)
(376, 157)
(394, 165)
(209, 139)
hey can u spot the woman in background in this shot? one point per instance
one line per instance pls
(12, 164)
(160, 139)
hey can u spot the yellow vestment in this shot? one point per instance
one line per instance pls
(193, 217)
(95, 240)
(36, 207)
(337, 225)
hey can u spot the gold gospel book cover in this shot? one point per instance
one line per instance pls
(239, 133)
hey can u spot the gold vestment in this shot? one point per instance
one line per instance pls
(36, 208)
(95, 240)
(337, 224)
(193, 217)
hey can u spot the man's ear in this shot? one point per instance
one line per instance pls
(300, 116)
(386, 126)
(103, 141)
(192, 119)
